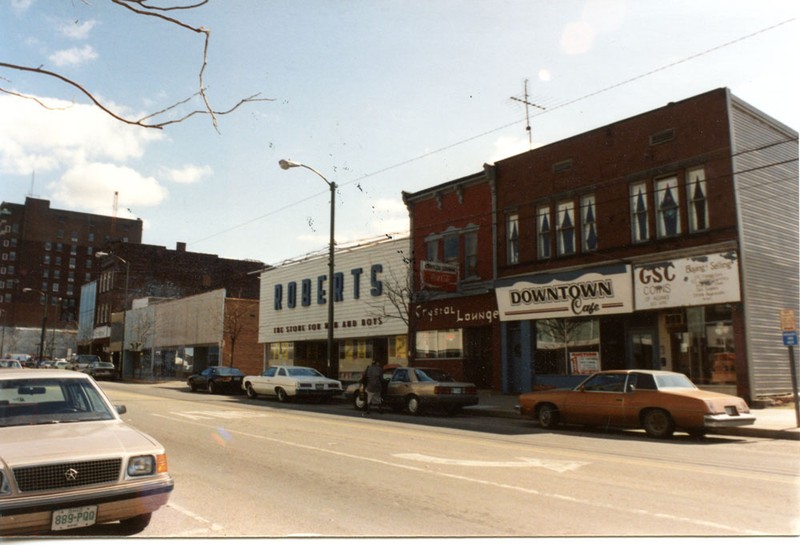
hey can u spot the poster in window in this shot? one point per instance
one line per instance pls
(584, 363)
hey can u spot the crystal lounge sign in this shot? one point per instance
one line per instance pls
(576, 294)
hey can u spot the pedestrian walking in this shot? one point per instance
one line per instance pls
(373, 385)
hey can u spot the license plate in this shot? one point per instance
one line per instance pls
(76, 517)
(731, 410)
(320, 386)
(456, 390)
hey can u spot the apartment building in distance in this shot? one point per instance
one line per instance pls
(46, 255)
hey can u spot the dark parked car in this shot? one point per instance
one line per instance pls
(102, 370)
(217, 379)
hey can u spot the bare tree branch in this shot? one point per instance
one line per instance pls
(142, 7)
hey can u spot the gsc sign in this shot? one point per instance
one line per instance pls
(308, 290)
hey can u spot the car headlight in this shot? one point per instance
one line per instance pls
(139, 466)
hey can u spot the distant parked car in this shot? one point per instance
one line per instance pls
(658, 401)
(67, 459)
(419, 389)
(102, 370)
(10, 364)
(81, 362)
(288, 382)
(217, 379)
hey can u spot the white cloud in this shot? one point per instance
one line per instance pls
(42, 139)
(76, 30)
(91, 186)
(188, 174)
(21, 6)
(508, 146)
(73, 56)
(577, 38)
(82, 148)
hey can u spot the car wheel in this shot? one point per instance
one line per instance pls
(212, 388)
(413, 406)
(548, 416)
(282, 396)
(360, 401)
(193, 386)
(251, 393)
(136, 524)
(658, 423)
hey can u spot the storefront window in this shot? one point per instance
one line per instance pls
(355, 349)
(282, 352)
(705, 351)
(567, 346)
(441, 343)
(398, 347)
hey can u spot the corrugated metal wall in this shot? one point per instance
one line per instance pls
(766, 183)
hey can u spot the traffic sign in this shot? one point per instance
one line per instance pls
(790, 338)
(788, 322)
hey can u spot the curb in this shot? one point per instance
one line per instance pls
(788, 434)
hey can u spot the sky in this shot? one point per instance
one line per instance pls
(378, 96)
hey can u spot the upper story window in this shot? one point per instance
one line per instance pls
(512, 239)
(668, 207)
(696, 196)
(588, 223)
(470, 255)
(543, 223)
(566, 228)
(451, 249)
(432, 249)
(639, 226)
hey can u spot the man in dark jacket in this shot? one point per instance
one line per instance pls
(373, 385)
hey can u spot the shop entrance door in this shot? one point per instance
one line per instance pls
(642, 349)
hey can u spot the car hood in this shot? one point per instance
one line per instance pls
(74, 441)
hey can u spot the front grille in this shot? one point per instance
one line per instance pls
(67, 475)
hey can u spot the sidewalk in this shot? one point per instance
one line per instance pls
(771, 423)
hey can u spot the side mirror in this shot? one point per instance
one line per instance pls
(121, 409)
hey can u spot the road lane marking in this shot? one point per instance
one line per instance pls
(727, 529)
(553, 465)
(213, 415)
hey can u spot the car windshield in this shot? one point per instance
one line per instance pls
(667, 382)
(33, 401)
(304, 372)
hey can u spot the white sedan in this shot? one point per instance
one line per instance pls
(289, 382)
(67, 459)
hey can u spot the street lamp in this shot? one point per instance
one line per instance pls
(124, 306)
(44, 320)
(286, 164)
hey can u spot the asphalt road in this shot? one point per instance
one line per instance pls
(246, 468)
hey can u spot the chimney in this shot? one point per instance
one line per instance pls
(181, 247)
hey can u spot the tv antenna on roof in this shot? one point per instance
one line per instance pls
(527, 104)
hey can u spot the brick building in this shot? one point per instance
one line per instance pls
(142, 271)
(46, 254)
(453, 315)
(666, 240)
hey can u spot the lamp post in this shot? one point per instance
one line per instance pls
(124, 307)
(286, 164)
(44, 321)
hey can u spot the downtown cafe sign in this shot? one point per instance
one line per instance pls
(692, 281)
(574, 294)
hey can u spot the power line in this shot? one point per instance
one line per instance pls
(505, 126)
